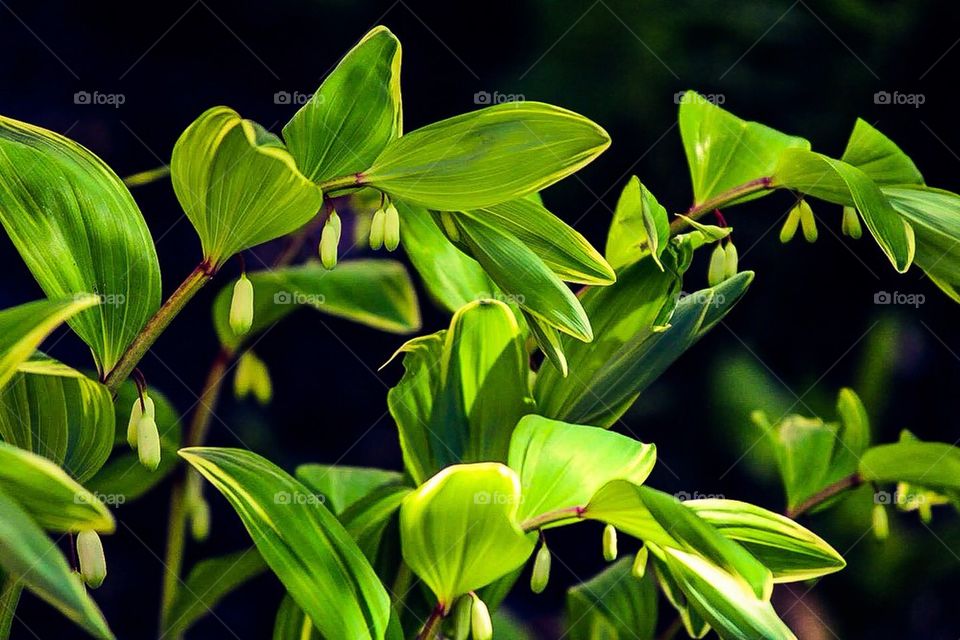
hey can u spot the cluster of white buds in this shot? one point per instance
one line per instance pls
(385, 228)
(850, 224)
(142, 432)
(801, 215)
(724, 263)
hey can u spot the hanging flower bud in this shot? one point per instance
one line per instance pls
(136, 413)
(481, 627)
(850, 225)
(391, 228)
(807, 222)
(377, 229)
(881, 526)
(200, 520)
(330, 240)
(609, 543)
(252, 376)
(715, 272)
(789, 228)
(460, 618)
(541, 570)
(449, 226)
(148, 442)
(241, 306)
(93, 564)
(640, 562)
(731, 261)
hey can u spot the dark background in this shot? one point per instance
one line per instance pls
(808, 326)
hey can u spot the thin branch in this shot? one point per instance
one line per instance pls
(850, 482)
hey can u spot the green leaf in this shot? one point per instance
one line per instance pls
(836, 181)
(565, 251)
(57, 412)
(367, 518)
(377, 293)
(614, 605)
(935, 465)
(23, 328)
(459, 530)
(292, 622)
(353, 115)
(790, 551)
(123, 477)
(563, 465)
(640, 227)
(879, 157)
(49, 495)
(342, 486)
(693, 622)
(487, 156)
(10, 589)
(724, 151)
(311, 553)
(35, 561)
(524, 277)
(238, 185)
(548, 340)
(208, 583)
(80, 232)
(932, 214)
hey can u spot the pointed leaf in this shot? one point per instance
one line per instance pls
(879, 157)
(342, 486)
(640, 227)
(292, 622)
(935, 465)
(79, 230)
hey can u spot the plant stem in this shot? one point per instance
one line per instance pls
(342, 182)
(843, 484)
(156, 325)
(432, 626)
(146, 177)
(542, 520)
(735, 193)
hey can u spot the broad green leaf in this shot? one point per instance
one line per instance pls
(724, 151)
(613, 605)
(661, 519)
(238, 185)
(353, 115)
(934, 216)
(879, 157)
(57, 412)
(693, 622)
(49, 495)
(452, 278)
(367, 518)
(564, 250)
(725, 602)
(563, 465)
(23, 328)
(342, 486)
(80, 232)
(790, 551)
(487, 156)
(935, 465)
(377, 293)
(35, 562)
(524, 277)
(836, 181)
(123, 477)
(10, 589)
(640, 227)
(459, 530)
(208, 582)
(301, 541)
(292, 623)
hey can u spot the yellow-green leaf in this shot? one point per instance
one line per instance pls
(640, 226)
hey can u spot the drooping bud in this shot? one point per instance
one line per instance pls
(715, 272)
(241, 306)
(850, 225)
(252, 376)
(789, 228)
(136, 413)
(200, 520)
(609, 543)
(731, 262)
(93, 564)
(640, 562)
(481, 627)
(807, 222)
(460, 619)
(541, 570)
(391, 228)
(330, 240)
(881, 526)
(377, 229)
(148, 442)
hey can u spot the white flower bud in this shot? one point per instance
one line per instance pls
(391, 228)
(93, 564)
(148, 442)
(541, 570)
(881, 526)
(481, 627)
(609, 543)
(731, 262)
(136, 412)
(715, 272)
(850, 225)
(640, 562)
(330, 241)
(241, 306)
(789, 228)
(377, 229)
(200, 520)
(807, 221)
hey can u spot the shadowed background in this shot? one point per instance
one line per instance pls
(808, 326)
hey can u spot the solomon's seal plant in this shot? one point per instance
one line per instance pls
(503, 417)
